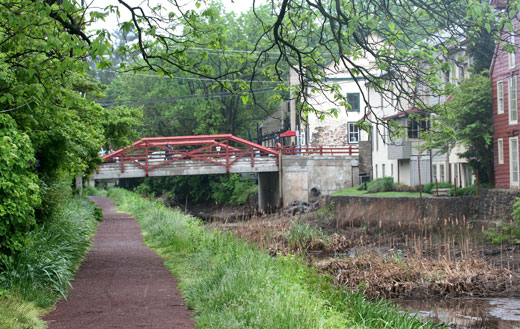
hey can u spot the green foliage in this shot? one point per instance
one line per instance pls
(231, 284)
(54, 194)
(516, 210)
(94, 191)
(187, 105)
(51, 128)
(223, 189)
(467, 119)
(231, 190)
(49, 255)
(430, 187)
(16, 313)
(120, 125)
(301, 236)
(19, 192)
(465, 191)
(506, 232)
(384, 184)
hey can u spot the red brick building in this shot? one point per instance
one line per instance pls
(505, 69)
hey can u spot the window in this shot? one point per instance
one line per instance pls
(461, 73)
(376, 172)
(442, 177)
(513, 110)
(434, 172)
(383, 173)
(353, 100)
(353, 133)
(500, 148)
(512, 55)
(513, 160)
(392, 170)
(500, 97)
(415, 127)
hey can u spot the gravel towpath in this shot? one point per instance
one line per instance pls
(121, 283)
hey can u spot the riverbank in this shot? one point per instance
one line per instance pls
(428, 259)
(232, 284)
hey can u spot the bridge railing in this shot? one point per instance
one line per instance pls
(222, 150)
(352, 150)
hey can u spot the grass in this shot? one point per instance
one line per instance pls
(355, 191)
(36, 277)
(232, 284)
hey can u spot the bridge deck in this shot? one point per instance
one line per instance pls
(107, 171)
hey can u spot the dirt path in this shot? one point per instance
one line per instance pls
(121, 283)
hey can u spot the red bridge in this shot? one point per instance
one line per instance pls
(198, 155)
(285, 173)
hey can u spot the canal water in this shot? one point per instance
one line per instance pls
(468, 313)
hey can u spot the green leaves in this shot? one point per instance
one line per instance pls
(466, 119)
(19, 193)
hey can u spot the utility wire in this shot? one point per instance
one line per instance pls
(179, 98)
(15, 108)
(183, 78)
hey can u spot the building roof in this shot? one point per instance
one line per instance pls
(401, 114)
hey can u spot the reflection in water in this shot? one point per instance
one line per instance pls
(493, 313)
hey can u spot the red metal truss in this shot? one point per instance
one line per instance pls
(222, 150)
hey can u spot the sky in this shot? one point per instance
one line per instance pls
(238, 6)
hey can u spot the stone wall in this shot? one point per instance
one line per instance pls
(304, 178)
(497, 204)
(490, 205)
(327, 135)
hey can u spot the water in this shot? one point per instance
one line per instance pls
(492, 313)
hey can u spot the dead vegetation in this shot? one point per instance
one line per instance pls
(429, 258)
(391, 277)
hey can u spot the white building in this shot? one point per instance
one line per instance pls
(400, 157)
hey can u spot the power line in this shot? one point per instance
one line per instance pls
(183, 78)
(15, 108)
(180, 98)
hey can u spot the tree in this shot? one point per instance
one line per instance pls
(19, 192)
(407, 40)
(47, 97)
(185, 105)
(467, 119)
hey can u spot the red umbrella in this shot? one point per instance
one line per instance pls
(288, 133)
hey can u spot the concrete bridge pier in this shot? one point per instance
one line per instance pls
(268, 191)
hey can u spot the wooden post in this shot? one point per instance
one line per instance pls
(419, 169)
(455, 186)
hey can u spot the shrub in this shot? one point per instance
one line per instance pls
(430, 187)
(465, 191)
(232, 190)
(19, 191)
(302, 236)
(384, 184)
(49, 255)
(516, 210)
(91, 190)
